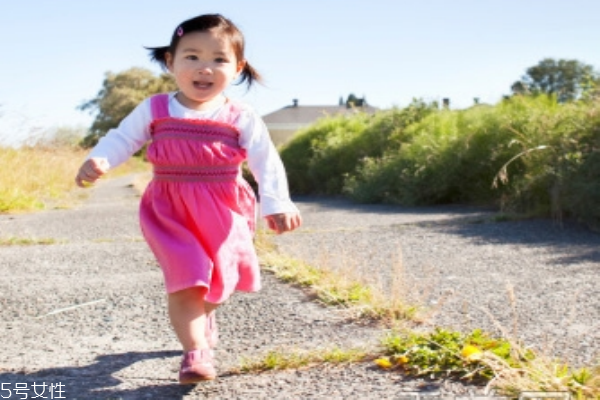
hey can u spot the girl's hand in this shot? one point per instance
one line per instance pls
(284, 222)
(91, 171)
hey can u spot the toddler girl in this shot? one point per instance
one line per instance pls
(197, 214)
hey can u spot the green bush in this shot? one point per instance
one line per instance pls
(581, 185)
(527, 154)
(317, 159)
(554, 142)
(320, 158)
(451, 156)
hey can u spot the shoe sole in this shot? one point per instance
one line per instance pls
(197, 380)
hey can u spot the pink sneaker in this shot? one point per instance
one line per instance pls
(211, 331)
(197, 366)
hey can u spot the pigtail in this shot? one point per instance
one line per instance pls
(159, 54)
(249, 75)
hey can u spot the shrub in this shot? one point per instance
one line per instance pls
(448, 157)
(320, 158)
(527, 154)
(316, 158)
(581, 187)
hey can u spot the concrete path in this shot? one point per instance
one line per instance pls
(86, 314)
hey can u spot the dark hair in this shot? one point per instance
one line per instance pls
(219, 25)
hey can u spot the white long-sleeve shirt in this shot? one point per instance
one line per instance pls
(263, 159)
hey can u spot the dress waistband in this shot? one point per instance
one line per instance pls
(221, 173)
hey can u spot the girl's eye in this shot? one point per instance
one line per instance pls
(191, 57)
(220, 60)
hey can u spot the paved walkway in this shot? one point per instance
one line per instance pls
(87, 312)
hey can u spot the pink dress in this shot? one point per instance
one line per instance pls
(198, 213)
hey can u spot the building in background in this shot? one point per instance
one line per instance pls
(285, 122)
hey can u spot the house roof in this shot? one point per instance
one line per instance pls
(301, 115)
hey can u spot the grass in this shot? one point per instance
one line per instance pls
(38, 178)
(35, 178)
(504, 365)
(286, 359)
(343, 290)
(119, 240)
(444, 353)
(19, 241)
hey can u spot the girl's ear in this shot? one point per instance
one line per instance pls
(169, 61)
(240, 66)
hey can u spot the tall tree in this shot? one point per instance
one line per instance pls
(567, 79)
(120, 94)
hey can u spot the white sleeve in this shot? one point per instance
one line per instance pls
(131, 134)
(265, 164)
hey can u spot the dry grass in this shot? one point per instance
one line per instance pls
(37, 178)
(385, 303)
(543, 374)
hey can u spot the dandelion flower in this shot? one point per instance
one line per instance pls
(402, 360)
(384, 363)
(471, 353)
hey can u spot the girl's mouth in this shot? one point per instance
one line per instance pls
(202, 85)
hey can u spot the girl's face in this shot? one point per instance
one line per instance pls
(204, 65)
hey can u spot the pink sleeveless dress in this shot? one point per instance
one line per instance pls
(198, 213)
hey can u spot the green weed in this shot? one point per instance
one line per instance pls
(360, 298)
(20, 241)
(281, 359)
(503, 365)
(444, 353)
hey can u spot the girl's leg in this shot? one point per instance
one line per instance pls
(187, 311)
(210, 307)
(211, 330)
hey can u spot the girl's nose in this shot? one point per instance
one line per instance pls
(204, 69)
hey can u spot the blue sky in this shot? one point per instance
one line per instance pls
(55, 53)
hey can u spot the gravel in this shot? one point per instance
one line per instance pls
(89, 312)
(533, 280)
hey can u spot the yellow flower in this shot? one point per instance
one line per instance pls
(384, 363)
(471, 353)
(402, 360)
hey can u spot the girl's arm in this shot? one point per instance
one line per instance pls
(285, 222)
(117, 146)
(131, 134)
(268, 170)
